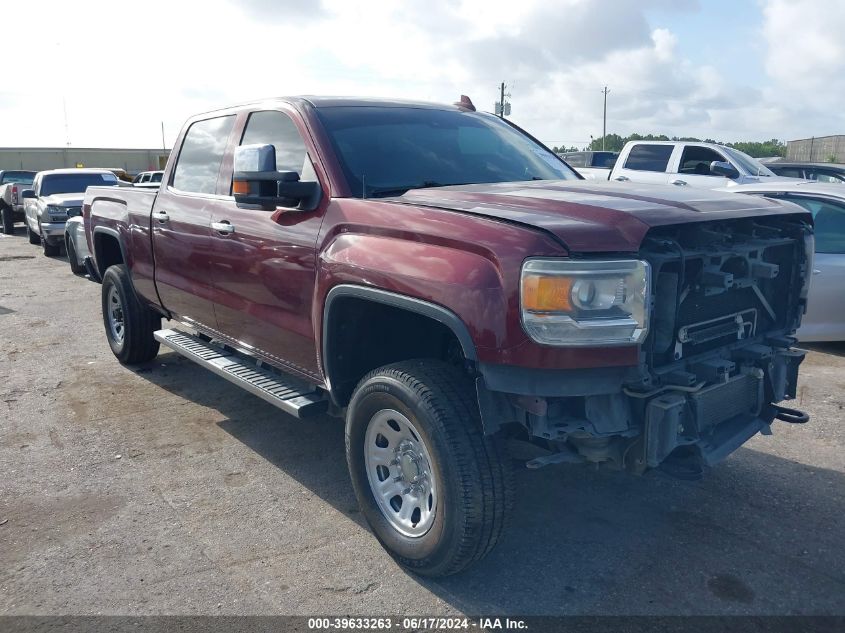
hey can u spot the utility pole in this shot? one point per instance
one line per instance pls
(163, 146)
(502, 101)
(604, 119)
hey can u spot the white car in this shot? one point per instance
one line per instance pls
(55, 196)
(825, 317)
(689, 164)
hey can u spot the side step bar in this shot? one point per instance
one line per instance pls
(291, 395)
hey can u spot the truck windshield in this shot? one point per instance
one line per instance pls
(18, 177)
(751, 166)
(74, 183)
(385, 151)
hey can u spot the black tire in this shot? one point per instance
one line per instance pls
(34, 238)
(8, 220)
(50, 250)
(75, 267)
(473, 475)
(137, 345)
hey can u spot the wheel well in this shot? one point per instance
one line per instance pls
(107, 252)
(362, 335)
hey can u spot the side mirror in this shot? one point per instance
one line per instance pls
(723, 168)
(27, 193)
(257, 185)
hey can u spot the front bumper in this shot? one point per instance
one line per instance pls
(724, 403)
(53, 230)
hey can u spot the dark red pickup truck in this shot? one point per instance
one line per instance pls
(446, 282)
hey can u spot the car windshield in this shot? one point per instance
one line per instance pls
(74, 183)
(385, 151)
(19, 177)
(749, 165)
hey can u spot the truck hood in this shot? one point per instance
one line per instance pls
(64, 199)
(592, 216)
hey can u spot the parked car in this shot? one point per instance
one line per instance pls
(825, 317)
(76, 246)
(683, 163)
(443, 281)
(56, 195)
(148, 177)
(12, 184)
(591, 165)
(820, 172)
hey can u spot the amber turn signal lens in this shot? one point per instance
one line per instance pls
(546, 293)
(240, 187)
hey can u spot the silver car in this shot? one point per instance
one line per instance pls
(76, 245)
(825, 318)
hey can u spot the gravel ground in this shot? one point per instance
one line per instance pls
(163, 489)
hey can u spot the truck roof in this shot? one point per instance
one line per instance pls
(76, 170)
(336, 101)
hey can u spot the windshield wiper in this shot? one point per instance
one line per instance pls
(398, 191)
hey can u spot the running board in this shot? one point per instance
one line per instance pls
(291, 395)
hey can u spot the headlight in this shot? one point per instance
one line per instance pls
(582, 302)
(56, 212)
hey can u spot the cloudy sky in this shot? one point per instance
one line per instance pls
(725, 69)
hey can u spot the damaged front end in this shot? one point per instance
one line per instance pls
(725, 299)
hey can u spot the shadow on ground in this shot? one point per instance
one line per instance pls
(761, 534)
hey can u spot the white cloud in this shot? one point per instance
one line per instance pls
(121, 71)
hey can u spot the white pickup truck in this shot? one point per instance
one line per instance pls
(12, 184)
(683, 163)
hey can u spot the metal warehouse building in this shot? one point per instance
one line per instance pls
(819, 149)
(40, 158)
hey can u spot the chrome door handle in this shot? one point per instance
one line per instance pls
(161, 216)
(223, 227)
(816, 271)
(622, 178)
(678, 182)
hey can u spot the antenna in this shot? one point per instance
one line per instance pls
(67, 129)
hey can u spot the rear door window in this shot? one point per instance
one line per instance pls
(201, 155)
(646, 157)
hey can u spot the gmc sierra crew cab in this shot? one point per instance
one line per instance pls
(444, 282)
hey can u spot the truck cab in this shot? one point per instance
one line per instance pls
(688, 164)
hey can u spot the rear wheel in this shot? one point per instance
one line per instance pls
(75, 267)
(8, 220)
(435, 490)
(129, 323)
(34, 238)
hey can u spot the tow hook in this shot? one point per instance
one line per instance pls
(793, 416)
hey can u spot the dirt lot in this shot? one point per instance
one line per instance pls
(164, 489)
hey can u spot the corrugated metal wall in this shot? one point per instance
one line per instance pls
(817, 150)
(37, 159)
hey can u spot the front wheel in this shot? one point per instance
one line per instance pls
(50, 249)
(75, 267)
(435, 490)
(129, 323)
(34, 238)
